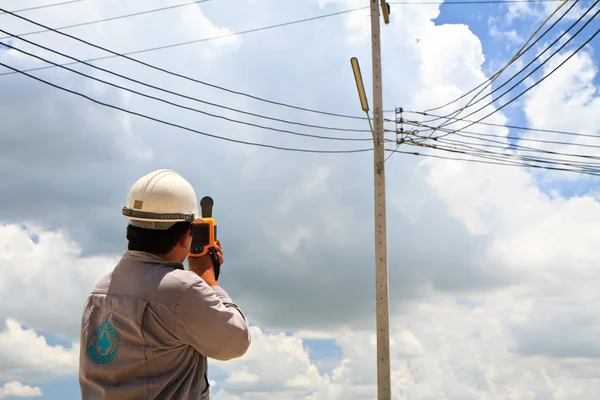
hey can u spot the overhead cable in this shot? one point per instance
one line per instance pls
(480, 136)
(477, 146)
(111, 18)
(482, 160)
(182, 106)
(513, 146)
(495, 160)
(538, 160)
(22, 10)
(498, 125)
(517, 55)
(513, 59)
(449, 3)
(63, 66)
(181, 126)
(531, 62)
(164, 70)
(534, 84)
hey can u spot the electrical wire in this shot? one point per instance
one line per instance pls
(40, 7)
(520, 158)
(391, 154)
(444, 3)
(507, 158)
(504, 145)
(534, 84)
(514, 58)
(414, 153)
(182, 106)
(181, 126)
(498, 125)
(111, 18)
(517, 55)
(479, 135)
(532, 61)
(164, 70)
(162, 89)
(476, 147)
(495, 160)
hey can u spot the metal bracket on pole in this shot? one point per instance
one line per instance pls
(400, 138)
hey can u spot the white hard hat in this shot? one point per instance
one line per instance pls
(160, 199)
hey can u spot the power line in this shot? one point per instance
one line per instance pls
(180, 126)
(538, 160)
(185, 107)
(518, 55)
(532, 61)
(453, 131)
(536, 83)
(524, 148)
(514, 58)
(398, 3)
(165, 90)
(474, 149)
(415, 153)
(494, 160)
(126, 56)
(477, 147)
(111, 18)
(493, 124)
(444, 3)
(478, 135)
(40, 7)
(504, 145)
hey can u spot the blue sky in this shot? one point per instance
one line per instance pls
(326, 352)
(472, 250)
(487, 22)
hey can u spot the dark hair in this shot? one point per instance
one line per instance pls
(156, 241)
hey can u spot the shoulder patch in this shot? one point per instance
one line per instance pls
(103, 344)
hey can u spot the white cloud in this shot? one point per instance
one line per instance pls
(25, 353)
(128, 34)
(441, 348)
(466, 346)
(17, 389)
(510, 34)
(568, 101)
(276, 364)
(491, 278)
(538, 12)
(49, 279)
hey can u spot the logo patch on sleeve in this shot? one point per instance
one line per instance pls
(103, 344)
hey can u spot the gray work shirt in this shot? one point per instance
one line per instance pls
(148, 328)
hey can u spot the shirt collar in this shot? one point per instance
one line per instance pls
(134, 255)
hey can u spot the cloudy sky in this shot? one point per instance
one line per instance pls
(493, 269)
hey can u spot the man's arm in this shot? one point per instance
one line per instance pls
(209, 321)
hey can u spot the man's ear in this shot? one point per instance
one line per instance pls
(185, 239)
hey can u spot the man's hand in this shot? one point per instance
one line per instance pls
(203, 266)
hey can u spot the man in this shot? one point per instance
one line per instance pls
(149, 325)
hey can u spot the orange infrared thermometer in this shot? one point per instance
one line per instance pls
(204, 234)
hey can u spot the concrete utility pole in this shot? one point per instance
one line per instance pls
(381, 272)
(381, 268)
